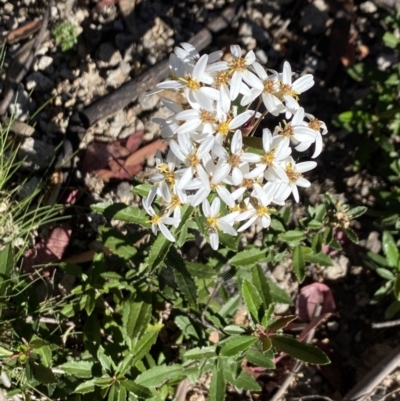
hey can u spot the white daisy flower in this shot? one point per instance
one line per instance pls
(294, 173)
(215, 222)
(319, 127)
(159, 221)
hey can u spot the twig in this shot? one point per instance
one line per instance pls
(368, 384)
(299, 364)
(382, 325)
(312, 397)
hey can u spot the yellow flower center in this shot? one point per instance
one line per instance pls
(175, 202)
(269, 86)
(286, 131)
(248, 183)
(212, 221)
(155, 219)
(238, 64)
(207, 117)
(269, 157)
(234, 160)
(286, 89)
(292, 175)
(223, 128)
(193, 160)
(222, 78)
(191, 83)
(262, 211)
(315, 124)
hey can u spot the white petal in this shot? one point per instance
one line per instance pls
(203, 100)
(298, 117)
(205, 147)
(302, 182)
(236, 51)
(237, 176)
(260, 71)
(252, 80)
(166, 232)
(187, 114)
(250, 157)
(240, 119)
(305, 166)
(225, 195)
(265, 221)
(250, 58)
(221, 172)
(236, 81)
(214, 241)
(226, 227)
(212, 93)
(206, 208)
(295, 192)
(200, 196)
(170, 85)
(189, 126)
(200, 67)
(237, 142)
(287, 73)
(318, 146)
(186, 178)
(267, 139)
(248, 224)
(215, 206)
(214, 56)
(303, 83)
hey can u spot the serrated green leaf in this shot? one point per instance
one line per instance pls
(237, 345)
(262, 359)
(85, 387)
(200, 352)
(45, 355)
(158, 375)
(147, 340)
(217, 387)
(137, 389)
(248, 257)
(378, 259)
(230, 307)
(252, 300)
(81, 369)
(390, 40)
(299, 263)
(119, 211)
(142, 189)
(350, 234)
(244, 381)
(117, 243)
(105, 360)
(320, 258)
(200, 270)
(316, 244)
(184, 280)
(90, 301)
(305, 352)
(277, 225)
(390, 250)
(261, 283)
(356, 212)
(314, 224)
(136, 315)
(292, 236)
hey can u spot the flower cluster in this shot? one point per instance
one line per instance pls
(213, 153)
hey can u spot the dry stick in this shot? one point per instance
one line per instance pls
(383, 325)
(130, 91)
(23, 62)
(298, 365)
(366, 386)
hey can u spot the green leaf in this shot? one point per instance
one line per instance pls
(119, 211)
(305, 352)
(85, 387)
(137, 389)
(158, 375)
(90, 301)
(233, 329)
(252, 300)
(148, 339)
(390, 40)
(45, 355)
(253, 142)
(314, 224)
(136, 315)
(184, 280)
(392, 310)
(6, 265)
(281, 323)
(200, 270)
(230, 307)
(41, 373)
(237, 345)
(118, 243)
(262, 285)
(328, 236)
(386, 274)
(299, 263)
(81, 369)
(278, 295)
(244, 381)
(292, 236)
(262, 359)
(248, 257)
(200, 352)
(350, 234)
(356, 212)
(217, 387)
(320, 258)
(390, 250)
(142, 189)
(105, 360)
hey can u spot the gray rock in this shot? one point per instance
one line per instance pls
(314, 17)
(118, 76)
(148, 102)
(20, 106)
(338, 270)
(28, 188)
(38, 82)
(124, 193)
(108, 55)
(368, 7)
(117, 124)
(262, 57)
(35, 155)
(372, 243)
